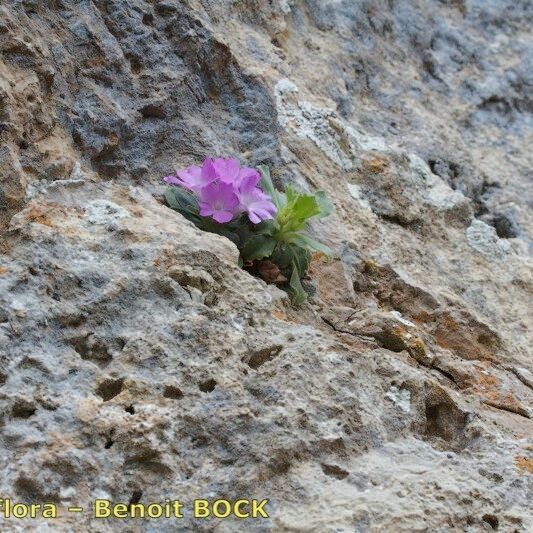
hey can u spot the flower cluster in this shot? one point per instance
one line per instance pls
(225, 190)
(269, 226)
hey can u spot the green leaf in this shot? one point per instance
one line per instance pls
(258, 247)
(220, 230)
(305, 241)
(183, 202)
(293, 262)
(299, 208)
(178, 198)
(243, 232)
(291, 194)
(305, 206)
(298, 295)
(286, 256)
(326, 207)
(268, 186)
(266, 180)
(301, 258)
(266, 227)
(283, 257)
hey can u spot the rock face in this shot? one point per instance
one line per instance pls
(139, 362)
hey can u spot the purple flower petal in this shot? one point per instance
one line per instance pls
(219, 200)
(172, 180)
(227, 170)
(248, 183)
(208, 171)
(254, 219)
(193, 178)
(225, 190)
(258, 211)
(254, 201)
(205, 209)
(223, 216)
(250, 176)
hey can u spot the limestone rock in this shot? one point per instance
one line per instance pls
(139, 362)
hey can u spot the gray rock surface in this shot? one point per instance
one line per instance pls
(140, 363)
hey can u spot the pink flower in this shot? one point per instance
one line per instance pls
(225, 190)
(227, 170)
(254, 201)
(219, 201)
(194, 178)
(249, 174)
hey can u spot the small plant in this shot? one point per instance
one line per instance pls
(269, 227)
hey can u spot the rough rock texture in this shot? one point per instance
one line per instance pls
(139, 362)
